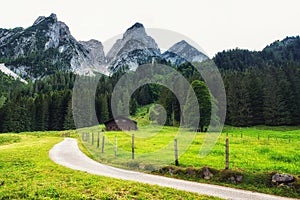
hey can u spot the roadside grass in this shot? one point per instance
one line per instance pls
(256, 153)
(26, 172)
(8, 139)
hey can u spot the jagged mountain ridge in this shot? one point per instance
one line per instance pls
(137, 48)
(134, 49)
(182, 52)
(48, 46)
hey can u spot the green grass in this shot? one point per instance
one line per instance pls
(26, 172)
(255, 152)
(142, 115)
(8, 139)
(275, 150)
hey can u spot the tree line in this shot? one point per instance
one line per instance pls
(262, 88)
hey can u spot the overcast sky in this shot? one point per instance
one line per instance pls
(215, 25)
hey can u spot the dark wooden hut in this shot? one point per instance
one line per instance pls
(120, 123)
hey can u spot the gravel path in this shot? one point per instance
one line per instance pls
(68, 154)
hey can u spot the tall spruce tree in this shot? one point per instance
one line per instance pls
(204, 103)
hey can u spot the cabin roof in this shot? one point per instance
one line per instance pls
(118, 118)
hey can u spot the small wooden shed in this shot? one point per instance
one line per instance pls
(120, 123)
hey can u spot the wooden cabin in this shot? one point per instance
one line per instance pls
(120, 123)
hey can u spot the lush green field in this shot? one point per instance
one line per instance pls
(256, 153)
(251, 149)
(258, 149)
(26, 172)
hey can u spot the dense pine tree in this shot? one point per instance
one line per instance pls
(204, 104)
(262, 88)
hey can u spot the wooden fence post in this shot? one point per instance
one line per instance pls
(132, 147)
(176, 152)
(227, 154)
(98, 140)
(241, 135)
(258, 136)
(116, 146)
(103, 138)
(92, 138)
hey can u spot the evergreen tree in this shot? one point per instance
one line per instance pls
(69, 120)
(133, 106)
(203, 101)
(104, 109)
(42, 113)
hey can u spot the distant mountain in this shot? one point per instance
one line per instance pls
(286, 50)
(48, 46)
(137, 48)
(183, 52)
(134, 49)
(275, 54)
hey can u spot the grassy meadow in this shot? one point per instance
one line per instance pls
(26, 172)
(257, 153)
(251, 149)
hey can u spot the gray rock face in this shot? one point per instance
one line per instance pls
(94, 60)
(282, 178)
(46, 36)
(134, 49)
(134, 38)
(48, 45)
(182, 52)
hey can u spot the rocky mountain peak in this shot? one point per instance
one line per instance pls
(180, 46)
(39, 20)
(137, 30)
(135, 26)
(182, 52)
(48, 45)
(183, 42)
(52, 18)
(51, 40)
(135, 38)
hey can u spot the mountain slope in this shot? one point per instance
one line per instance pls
(8, 72)
(48, 46)
(275, 54)
(183, 52)
(285, 50)
(134, 49)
